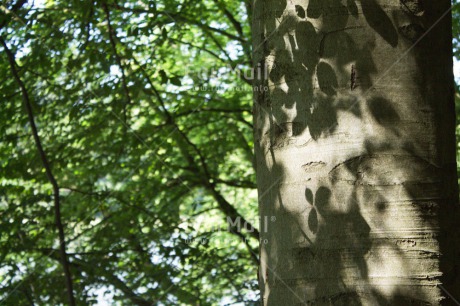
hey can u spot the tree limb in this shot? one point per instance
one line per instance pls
(16, 7)
(49, 173)
(112, 37)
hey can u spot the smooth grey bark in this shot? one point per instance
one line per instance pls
(355, 152)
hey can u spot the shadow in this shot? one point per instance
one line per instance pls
(279, 7)
(338, 45)
(336, 241)
(327, 79)
(383, 112)
(305, 84)
(300, 11)
(352, 8)
(344, 240)
(323, 118)
(379, 21)
(305, 36)
(315, 9)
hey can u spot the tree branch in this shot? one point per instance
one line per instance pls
(112, 37)
(49, 173)
(238, 184)
(109, 278)
(209, 109)
(16, 7)
(232, 213)
(228, 210)
(179, 17)
(236, 24)
(230, 17)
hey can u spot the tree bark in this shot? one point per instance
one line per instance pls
(355, 152)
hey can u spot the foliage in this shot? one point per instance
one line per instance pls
(144, 160)
(456, 52)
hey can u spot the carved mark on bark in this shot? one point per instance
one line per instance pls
(407, 243)
(353, 78)
(313, 166)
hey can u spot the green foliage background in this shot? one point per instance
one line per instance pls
(150, 159)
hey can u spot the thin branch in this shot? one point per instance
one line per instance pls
(107, 194)
(229, 59)
(236, 24)
(206, 27)
(239, 184)
(228, 210)
(110, 278)
(112, 37)
(197, 47)
(49, 173)
(16, 7)
(178, 17)
(216, 110)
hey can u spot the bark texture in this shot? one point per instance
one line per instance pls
(355, 152)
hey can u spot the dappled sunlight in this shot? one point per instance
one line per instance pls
(346, 135)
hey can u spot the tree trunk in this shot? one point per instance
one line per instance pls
(355, 152)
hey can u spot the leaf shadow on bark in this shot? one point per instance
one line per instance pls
(340, 248)
(379, 21)
(309, 83)
(306, 86)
